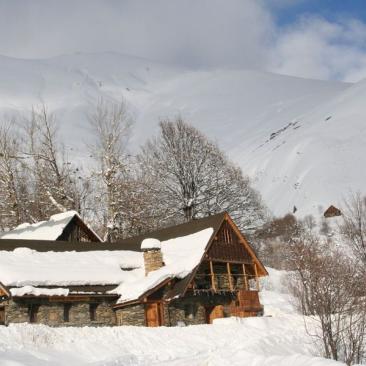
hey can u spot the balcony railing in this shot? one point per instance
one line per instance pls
(218, 282)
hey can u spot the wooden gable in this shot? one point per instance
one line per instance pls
(226, 251)
(230, 245)
(332, 211)
(77, 231)
(227, 246)
(4, 293)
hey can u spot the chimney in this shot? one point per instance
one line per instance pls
(153, 258)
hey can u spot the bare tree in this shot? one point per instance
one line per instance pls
(189, 177)
(55, 186)
(13, 182)
(271, 241)
(353, 227)
(331, 293)
(111, 123)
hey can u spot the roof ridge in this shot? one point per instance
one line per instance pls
(177, 226)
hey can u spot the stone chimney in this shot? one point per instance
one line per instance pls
(153, 258)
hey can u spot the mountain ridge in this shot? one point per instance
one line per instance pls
(275, 127)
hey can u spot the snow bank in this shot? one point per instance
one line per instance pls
(279, 340)
(274, 295)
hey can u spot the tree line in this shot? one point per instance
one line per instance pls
(176, 176)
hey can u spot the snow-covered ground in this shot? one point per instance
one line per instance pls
(302, 141)
(279, 338)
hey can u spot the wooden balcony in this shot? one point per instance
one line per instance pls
(224, 283)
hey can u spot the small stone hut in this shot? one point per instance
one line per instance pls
(332, 211)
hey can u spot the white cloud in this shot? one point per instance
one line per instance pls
(198, 33)
(192, 33)
(317, 48)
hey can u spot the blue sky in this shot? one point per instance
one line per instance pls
(332, 10)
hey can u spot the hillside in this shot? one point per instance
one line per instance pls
(300, 140)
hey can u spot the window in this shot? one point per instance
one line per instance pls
(32, 312)
(67, 308)
(190, 311)
(2, 315)
(93, 311)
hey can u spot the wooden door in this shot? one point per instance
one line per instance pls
(153, 314)
(2, 315)
(214, 312)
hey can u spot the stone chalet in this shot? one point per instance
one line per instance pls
(186, 274)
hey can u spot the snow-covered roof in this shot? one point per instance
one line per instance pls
(150, 243)
(26, 267)
(38, 291)
(181, 255)
(43, 230)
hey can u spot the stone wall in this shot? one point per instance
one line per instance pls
(189, 310)
(192, 310)
(52, 314)
(105, 315)
(153, 260)
(131, 315)
(186, 312)
(16, 312)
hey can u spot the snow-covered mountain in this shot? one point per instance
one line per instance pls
(302, 141)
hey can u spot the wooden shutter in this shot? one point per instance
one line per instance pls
(153, 314)
(2, 315)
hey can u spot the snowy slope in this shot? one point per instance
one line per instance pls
(310, 160)
(279, 340)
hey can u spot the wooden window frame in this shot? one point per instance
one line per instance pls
(33, 312)
(2, 309)
(67, 308)
(93, 312)
(190, 311)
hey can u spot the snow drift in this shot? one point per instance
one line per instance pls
(276, 340)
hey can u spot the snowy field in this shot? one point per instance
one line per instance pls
(279, 338)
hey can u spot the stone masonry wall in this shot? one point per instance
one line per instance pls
(153, 260)
(131, 315)
(192, 310)
(16, 313)
(187, 313)
(52, 314)
(105, 315)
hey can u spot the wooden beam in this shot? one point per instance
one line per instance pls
(246, 245)
(212, 277)
(230, 278)
(256, 276)
(245, 278)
